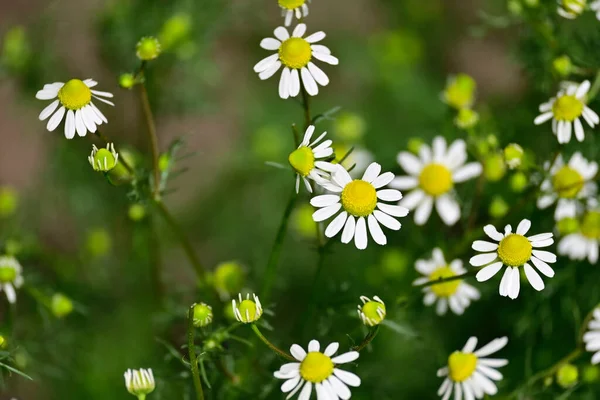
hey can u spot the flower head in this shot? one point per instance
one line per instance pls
(457, 293)
(432, 175)
(571, 9)
(203, 315)
(295, 54)
(466, 118)
(468, 371)
(148, 48)
(75, 100)
(514, 250)
(247, 310)
(319, 370)
(592, 336)
(371, 312)
(139, 382)
(104, 159)
(362, 205)
(513, 155)
(567, 376)
(566, 110)
(460, 91)
(291, 8)
(10, 277)
(308, 159)
(583, 239)
(228, 278)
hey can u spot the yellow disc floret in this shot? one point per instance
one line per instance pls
(316, 367)
(435, 179)
(514, 250)
(302, 160)
(291, 4)
(461, 365)
(590, 226)
(359, 198)
(7, 274)
(75, 94)
(567, 182)
(295, 53)
(446, 289)
(247, 310)
(567, 108)
(374, 312)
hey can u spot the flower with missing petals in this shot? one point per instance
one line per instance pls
(291, 8)
(139, 382)
(247, 310)
(371, 312)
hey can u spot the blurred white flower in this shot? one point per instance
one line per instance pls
(457, 293)
(361, 202)
(308, 159)
(318, 370)
(139, 382)
(295, 53)
(592, 337)
(11, 277)
(570, 9)
(470, 374)
(289, 8)
(583, 243)
(75, 100)
(565, 110)
(513, 250)
(432, 175)
(595, 6)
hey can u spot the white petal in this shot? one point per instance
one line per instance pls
(412, 199)
(376, 232)
(102, 94)
(290, 384)
(389, 195)
(336, 225)
(514, 288)
(543, 267)
(314, 345)
(481, 245)
(466, 172)
(318, 48)
(396, 211)
(483, 259)
(331, 349)
(410, 163)
(448, 209)
(294, 83)
(404, 182)
(540, 236)
(309, 82)
(284, 91)
(349, 228)
(266, 63)
(346, 357)
(383, 180)
(582, 89)
(360, 235)
(324, 200)
(70, 125)
(47, 94)
(298, 352)
(540, 119)
(470, 345)
(371, 172)
(305, 393)
(269, 72)
(318, 74)
(347, 377)
(281, 33)
(88, 117)
(326, 212)
(523, 227)
(493, 233)
(488, 272)
(534, 278)
(579, 132)
(55, 119)
(423, 212)
(339, 387)
(386, 220)
(48, 110)
(456, 154)
(79, 125)
(270, 44)
(492, 347)
(315, 37)
(299, 30)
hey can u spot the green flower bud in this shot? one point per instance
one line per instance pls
(590, 374)
(498, 207)
(460, 91)
(414, 145)
(302, 221)
(127, 81)
(3, 342)
(562, 66)
(394, 262)
(98, 242)
(349, 127)
(164, 161)
(494, 167)
(513, 155)
(229, 277)
(12, 247)
(136, 212)
(61, 305)
(246, 310)
(518, 182)
(567, 225)
(203, 315)
(16, 49)
(371, 312)
(175, 30)
(9, 201)
(104, 159)
(139, 382)
(567, 376)
(515, 7)
(466, 118)
(148, 48)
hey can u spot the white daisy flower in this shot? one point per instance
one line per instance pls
(371, 312)
(432, 175)
(565, 111)
(470, 374)
(75, 100)
(567, 184)
(361, 203)
(513, 250)
(457, 294)
(289, 8)
(295, 53)
(11, 277)
(247, 311)
(308, 159)
(570, 9)
(595, 6)
(139, 382)
(318, 370)
(585, 242)
(592, 337)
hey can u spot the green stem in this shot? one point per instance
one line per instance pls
(306, 106)
(448, 279)
(192, 353)
(153, 138)
(141, 397)
(595, 88)
(271, 270)
(271, 345)
(313, 298)
(368, 339)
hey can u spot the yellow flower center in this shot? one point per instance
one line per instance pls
(514, 250)
(316, 367)
(567, 108)
(75, 94)
(7, 274)
(446, 289)
(369, 309)
(302, 160)
(567, 182)
(250, 307)
(295, 53)
(291, 4)
(435, 179)
(461, 365)
(590, 227)
(359, 198)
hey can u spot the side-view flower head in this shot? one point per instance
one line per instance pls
(291, 8)
(592, 337)
(308, 160)
(11, 277)
(139, 382)
(584, 242)
(371, 312)
(247, 310)
(103, 159)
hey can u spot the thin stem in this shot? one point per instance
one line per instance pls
(306, 106)
(271, 345)
(595, 88)
(448, 279)
(313, 298)
(152, 136)
(185, 243)
(271, 270)
(192, 353)
(368, 339)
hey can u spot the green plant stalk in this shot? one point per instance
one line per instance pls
(271, 345)
(368, 339)
(449, 279)
(153, 138)
(192, 353)
(595, 88)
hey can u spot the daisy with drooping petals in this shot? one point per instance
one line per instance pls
(570, 9)
(565, 110)
(567, 184)
(289, 8)
(361, 202)
(11, 277)
(585, 241)
(432, 175)
(457, 294)
(592, 337)
(295, 53)
(371, 312)
(318, 370)
(75, 100)
(470, 374)
(513, 250)
(308, 159)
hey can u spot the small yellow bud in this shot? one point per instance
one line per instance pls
(494, 167)
(567, 376)
(148, 48)
(498, 207)
(9, 201)
(562, 66)
(460, 91)
(466, 118)
(513, 155)
(203, 315)
(61, 305)
(518, 182)
(127, 81)
(136, 212)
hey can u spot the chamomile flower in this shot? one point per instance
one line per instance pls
(592, 337)
(289, 8)
(308, 159)
(10, 277)
(567, 184)
(566, 109)
(571, 9)
(362, 205)
(371, 312)
(585, 241)
(514, 250)
(74, 99)
(247, 310)
(457, 294)
(432, 175)
(295, 54)
(470, 374)
(595, 6)
(318, 370)
(139, 382)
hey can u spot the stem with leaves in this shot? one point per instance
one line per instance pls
(193, 358)
(368, 339)
(153, 138)
(271, 345)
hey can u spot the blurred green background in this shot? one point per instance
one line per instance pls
(74, 234)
